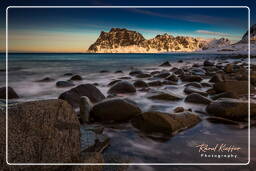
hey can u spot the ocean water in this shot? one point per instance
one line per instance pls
(25, 69)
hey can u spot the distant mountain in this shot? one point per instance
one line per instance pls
(252, 35)
(121, 40)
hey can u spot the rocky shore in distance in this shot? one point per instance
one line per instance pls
(50, 130)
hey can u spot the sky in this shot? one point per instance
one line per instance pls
(74, 30)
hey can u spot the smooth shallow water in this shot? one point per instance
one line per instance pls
(25, 69)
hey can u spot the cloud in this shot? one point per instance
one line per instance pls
(206, 19)
(213, 33)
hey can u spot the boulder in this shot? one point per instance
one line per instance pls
(45, 131)
(162, 75)
(235, 87)
(197, 98)
(172, 77)
(165, 64)
(144, 75)
(122, 87)
(179, 109)
(191, 78)
(155, 83)
(124, 78)
(231, 108)
(62, 84)
(208, 63)
(178, 72)
(155, 72)
(116, 109)
(190, 90)
(104, 71)
(228, 68)
(140, 83)
(165, 96)
(223, 95)
(204, 84)
(164, 123)
(136, 72)
(113, 82)
(11, 93)
(218, 77)
(85, 108)
(194, 84)
(76, 78)
(73, 95)
(168, 82)
(46, 79)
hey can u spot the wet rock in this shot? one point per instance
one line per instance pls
(155, 72)
(223, 95)
(217, 78)
(162, 75)
(76, 78)
(172, 78)
(194, 84)
(197, 98)
(231, 108)
(208, 63)
(179, 109)
(191, 78)
(235, 87)
(118, 71)
(168, 82)
(125, 78)
(228, 68)
(115, 109)
(195, 65)
(85, 108)
(46, 79)
(144, 75)
(165, 96)
(155, 83)
(62, 84)
(136, 72)
(165, 64)
(204, 84)
(122, 87)
(73, 95)
(179, 72)
(198, 71)
(190, 90)
(180, 61)
(104, 71)
(44, 131)
(211, 91)
(68, 74)
(164, 123)
(11, 93)
(140, 83)
(113, 82)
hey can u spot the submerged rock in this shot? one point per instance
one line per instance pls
(231, 108)
(155, 83)
(144, 75)
(73, 95)
(197, 98)
(76, 78)
(190, 90)
(162, 75)
(164, 123)
(44, 131)
(62, 84)
(191, 78)
(165, 64)
(122, 87)
(172, 77)
(11, 93)
(136, 72)
(68, 74)
(165, 96)
(46, 79)
(140, 83)
(116, 109)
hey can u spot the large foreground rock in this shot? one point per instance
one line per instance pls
(44, 131)
(11, 93)
(122, 87)
(231, 108)
(73, 95)
(116, 109)
(164, 123)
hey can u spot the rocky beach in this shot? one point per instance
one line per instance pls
(152, 114)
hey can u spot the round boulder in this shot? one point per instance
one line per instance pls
(116, 109)
(76, 78)
(140, 83)
(11, 93)
(122, 87)
(197, 98)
